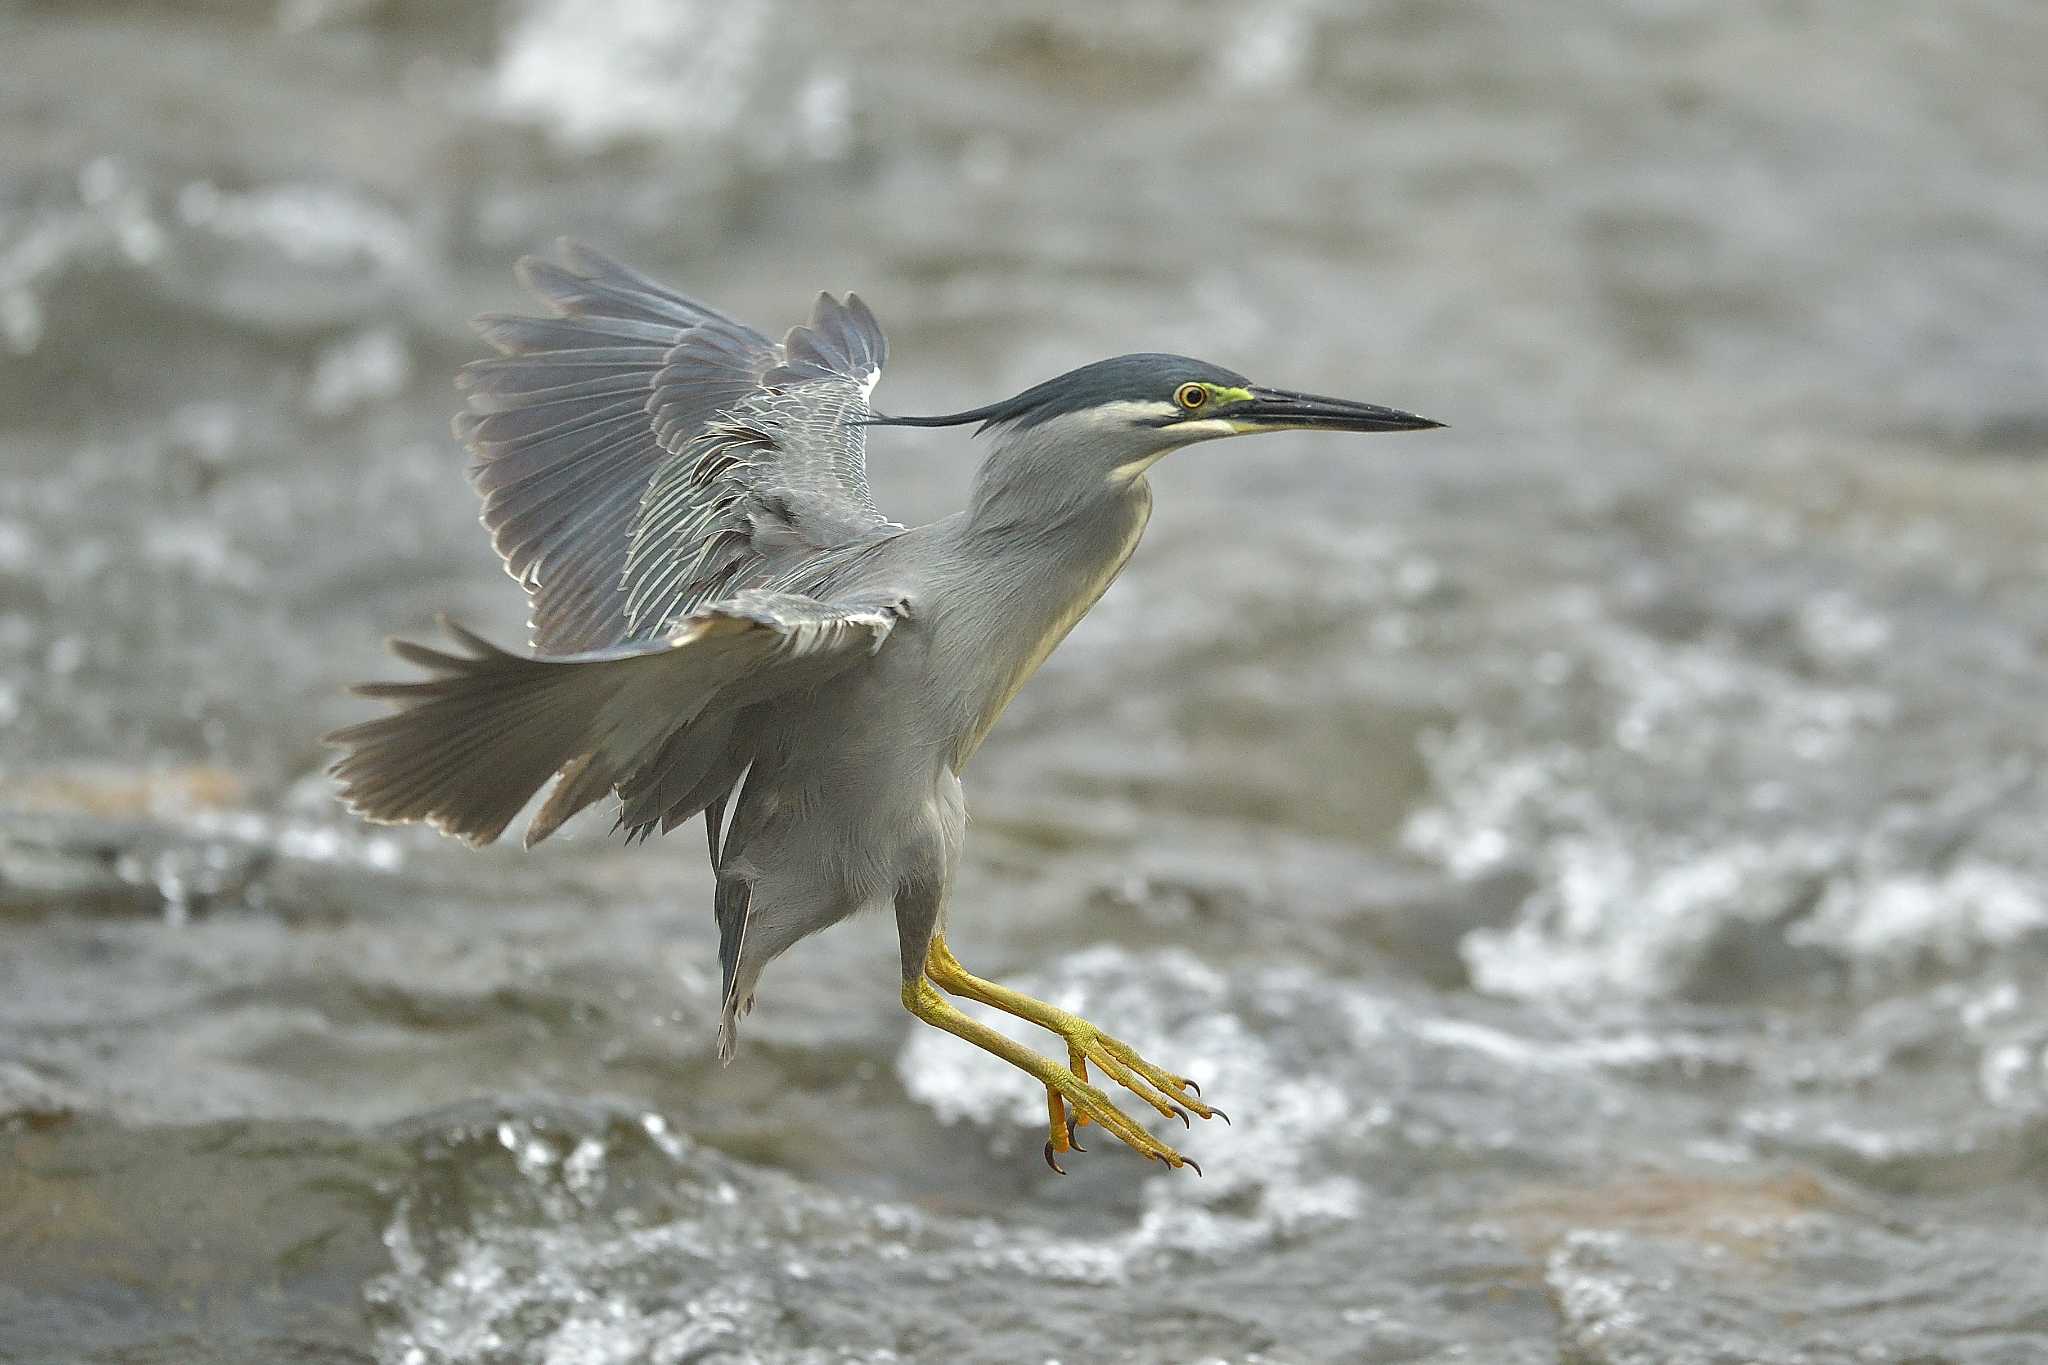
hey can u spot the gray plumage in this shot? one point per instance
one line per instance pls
(719, 608)
(643, 444)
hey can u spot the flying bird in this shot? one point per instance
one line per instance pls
(724, 624)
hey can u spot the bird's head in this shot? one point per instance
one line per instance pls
(1131, 410)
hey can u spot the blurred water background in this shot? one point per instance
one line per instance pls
(1595, 853)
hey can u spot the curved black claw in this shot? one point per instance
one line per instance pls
(1057, 1169)
(1216, 1113)
(1183, 1115)
(1192, 1086)
(1190, 1161)
(1072, 1141)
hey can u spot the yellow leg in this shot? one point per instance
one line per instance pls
(1173, 1096)
(1064, 1089)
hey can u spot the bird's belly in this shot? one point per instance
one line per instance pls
(847, 830)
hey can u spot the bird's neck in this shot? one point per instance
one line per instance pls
(1040, 477)
(1034, 564)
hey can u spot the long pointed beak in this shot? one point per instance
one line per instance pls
(1283, 410)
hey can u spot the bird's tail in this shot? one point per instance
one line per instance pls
(470, 746)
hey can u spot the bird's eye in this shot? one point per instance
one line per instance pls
(1191, 396)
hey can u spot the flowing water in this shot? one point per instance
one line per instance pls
(1595, 853)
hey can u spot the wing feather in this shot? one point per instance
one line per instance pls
(771, 479)
(641, 455)
(471, 743)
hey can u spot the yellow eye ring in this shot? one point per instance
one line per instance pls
(1191, 396)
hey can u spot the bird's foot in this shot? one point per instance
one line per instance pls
(1175, 1097)
(1069, 1099)
(1071, 1102)
(1171, 1095)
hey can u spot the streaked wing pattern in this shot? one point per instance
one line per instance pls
(634, 390)
(769, 481)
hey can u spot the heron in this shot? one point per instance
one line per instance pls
(724, 624)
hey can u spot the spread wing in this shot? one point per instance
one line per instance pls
(641, 455)
(770, 481)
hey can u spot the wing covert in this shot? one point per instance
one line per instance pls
(771, 480)
(641, 454)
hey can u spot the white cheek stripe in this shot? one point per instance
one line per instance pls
(1203, 430)
(1125, 473)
